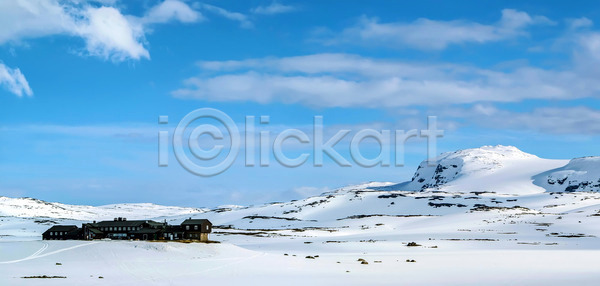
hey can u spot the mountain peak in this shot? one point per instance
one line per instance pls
(472, 167)
(489, 151)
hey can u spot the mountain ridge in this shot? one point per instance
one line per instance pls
(501, 170)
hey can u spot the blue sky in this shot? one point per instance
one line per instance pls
(82, 84)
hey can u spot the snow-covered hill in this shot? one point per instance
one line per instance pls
(580, 174)
(500, 169)
(28, 207)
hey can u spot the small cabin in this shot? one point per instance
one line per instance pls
(196, 229)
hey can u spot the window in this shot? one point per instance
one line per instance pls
(52, 233)
(196, 227)
(187, 227)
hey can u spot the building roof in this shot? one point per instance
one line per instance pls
(62, 228)
(156, 224)
(196, 221)
(124, 223)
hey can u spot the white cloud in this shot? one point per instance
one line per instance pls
(273, 8)
(108, 33)
(566, 120)
(590, 44)
(549, 120)
(14, 81)
(579, 23)
(587, 53)
(436, 35)
(34, 18)
(234, 16)
(340, 80)
(172, 10)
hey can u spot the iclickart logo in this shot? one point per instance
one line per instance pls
(206, 142)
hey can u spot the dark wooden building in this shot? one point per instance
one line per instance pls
(173, 232)
(196, 229)
(121, 228)
(62, 232)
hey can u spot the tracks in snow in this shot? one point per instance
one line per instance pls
(38, 253)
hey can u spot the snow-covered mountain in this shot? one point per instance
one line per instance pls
(502, 170)
(580, 174)
(29, 207)
(499, 169)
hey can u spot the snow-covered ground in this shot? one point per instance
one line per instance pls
(141, 263)
(480, 216)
